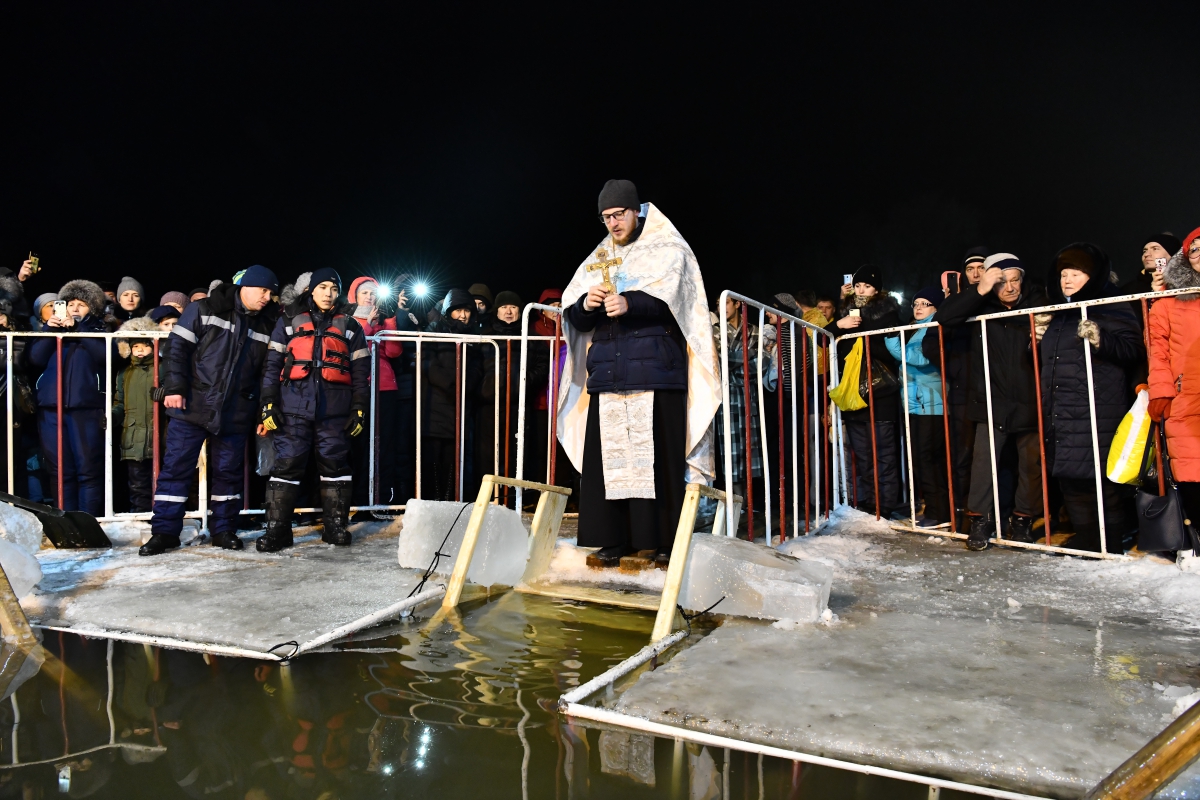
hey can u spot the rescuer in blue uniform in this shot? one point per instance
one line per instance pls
(213, 372)
(315, 393)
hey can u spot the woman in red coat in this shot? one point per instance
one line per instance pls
(1175, 369)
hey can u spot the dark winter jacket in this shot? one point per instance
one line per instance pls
(133, 410)
(641, 350)
(83, 366)
(312, 397)
(1068, 423)
(1014, 399)
(215, 360)
(438, 373)
(881, 312)
(956, 342)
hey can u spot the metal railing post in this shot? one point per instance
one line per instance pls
(871, 410)
(459, 408)
(1087, 363)
(12, 465)
(59, 415)
(762, 434)
(746, 427)
(991, 426)
(1034, 347)
(912, 484)
(946, 430)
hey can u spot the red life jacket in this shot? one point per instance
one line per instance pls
(331, 344)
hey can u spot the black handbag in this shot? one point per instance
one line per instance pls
(1162, 524)
(883, 380)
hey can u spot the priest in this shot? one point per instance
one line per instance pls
(639, 388)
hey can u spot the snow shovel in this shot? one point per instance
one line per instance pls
(64, 529)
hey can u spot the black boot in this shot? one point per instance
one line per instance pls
(608, 556)
(335, 502)
(227, 540)
(1020, 528)
(159, 543)
(981, 531)
(281, 500)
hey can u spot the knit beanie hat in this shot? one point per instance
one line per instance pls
(174, 297)
(1004, 261)
(1168, 241)
(507, 298)
(975, 254)
(869, 273)
(482, 292)
(128, 284)
(932, 294)
(323, 274)
(260, 277)
(618, 194)
(42, 299)
(163, 312)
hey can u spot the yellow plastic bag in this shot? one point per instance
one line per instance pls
(1129, 445)
(845, 395)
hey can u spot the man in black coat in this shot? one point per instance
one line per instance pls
(1013, 396)
(214, 368)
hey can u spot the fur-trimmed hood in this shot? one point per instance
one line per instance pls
(879, 306)
(292, 291)
(138, 324)
(88, 292)
(1178, 274)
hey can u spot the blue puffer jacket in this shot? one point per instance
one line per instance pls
(83, 366)
(313, 397)
(641, 350)
(924, 379)
(215, 361)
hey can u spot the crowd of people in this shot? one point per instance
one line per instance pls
(293, 371)
(1037, 401)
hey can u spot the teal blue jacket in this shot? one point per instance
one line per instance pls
(924, 380)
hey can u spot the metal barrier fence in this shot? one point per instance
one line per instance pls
(817, 447)
(1098, 458)
(418, 339)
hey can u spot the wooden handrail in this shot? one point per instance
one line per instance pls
(1156, 764)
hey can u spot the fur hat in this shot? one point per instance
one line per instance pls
(86, 291)
(135, 324)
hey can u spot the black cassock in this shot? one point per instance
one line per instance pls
(637, 522)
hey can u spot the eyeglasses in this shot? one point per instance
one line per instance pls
(923, 304)
(619, 215)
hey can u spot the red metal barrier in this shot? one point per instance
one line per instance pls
(553, 399)
(154, 479)
(826, 423)
(746, 408)
(1037, 390)
(458, 420)
(871, 407)
(804, 388)
(58, 412)
(946, 427)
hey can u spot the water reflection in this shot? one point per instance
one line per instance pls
(455, 706)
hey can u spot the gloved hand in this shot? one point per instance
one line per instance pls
(1160, 408)
(356, 422)
(159, 394)
(1088, 329)
(272, 420)
(1040, 323)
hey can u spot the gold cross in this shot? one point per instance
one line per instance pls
(604, 264)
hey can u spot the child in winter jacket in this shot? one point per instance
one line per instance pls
(925, 410)
(133, 411)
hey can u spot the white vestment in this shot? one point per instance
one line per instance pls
(661, 264)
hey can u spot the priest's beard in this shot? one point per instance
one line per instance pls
(631, 238)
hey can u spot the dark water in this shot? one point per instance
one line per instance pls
(461, 708)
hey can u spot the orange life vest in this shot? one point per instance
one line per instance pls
(331, 344)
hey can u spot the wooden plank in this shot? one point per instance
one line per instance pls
(540, 487)
(593, 594)
(470, 537)
(679, 556)
(13, 622)
(544, 534)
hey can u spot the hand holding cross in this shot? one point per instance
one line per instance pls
(604, 265)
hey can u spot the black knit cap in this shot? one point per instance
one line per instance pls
(869, 273)
(618, 194)
(1169, 242)
(976, 254)
(323, 274)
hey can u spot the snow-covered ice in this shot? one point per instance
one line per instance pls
(21, 568)
(500, 552)
(754, 581)
(923, 672)
(211, 596)
(20, 527)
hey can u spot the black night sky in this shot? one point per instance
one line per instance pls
(179, 142)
